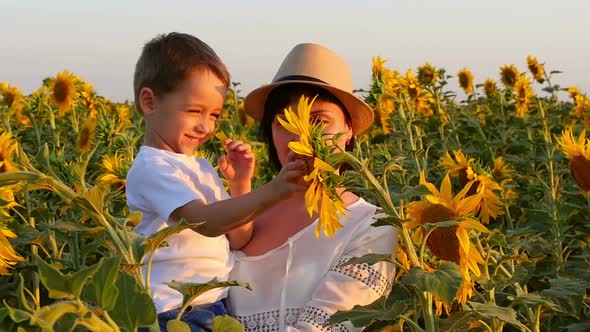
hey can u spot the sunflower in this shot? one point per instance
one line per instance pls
(490, 89)
(524, 92)
(63, 91)
(509, 75)
(574, 92)
(427, 74)
(87, 96)
(321, 196)
(87, 132)
(582, 110)
(378, 64)
(245, 119)
(123, 116)
(536, 69)
(392, 82)
(501, 168)
(412, 85)
(384, 110)
(12, 98)
(465, 80)
(7, 147)
(451, 243)
(577, 150)
(460, 165)
(490, 205)
(8, 257)
(115, 171)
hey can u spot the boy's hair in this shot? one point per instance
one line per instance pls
(167, 59)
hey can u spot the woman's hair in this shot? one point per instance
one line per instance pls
(279, 98)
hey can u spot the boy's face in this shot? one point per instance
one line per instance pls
(183, 119)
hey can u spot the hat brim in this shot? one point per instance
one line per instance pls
(361, 114)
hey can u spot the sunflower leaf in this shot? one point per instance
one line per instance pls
(361, 316)
(369, 259)
(227, 324)
(191, 290)
(133, 307)
(443, 283)
(568, 294)
(492, 311)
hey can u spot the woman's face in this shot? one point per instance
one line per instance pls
(328, 113)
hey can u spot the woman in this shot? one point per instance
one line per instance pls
(297, 279)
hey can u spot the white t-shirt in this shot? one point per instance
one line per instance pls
(158, 183)
(298, 285)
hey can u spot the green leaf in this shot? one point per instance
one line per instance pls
(77, 281)
(92, 200)
(227, 324)
(46, 316)
(370, 259)
(492, 311)
(534, 299)
(579, 327)
(20, 294)
(442, 283)
(69, 226)
(103, 283)
(155, 240)
(55, 282)
(408, 192)
(17, 315)
(438, 224)
(175, 325)
(361, 316)
(568, 294)
(9, 178)
(133, 307)
(389, 221)
(190, 290)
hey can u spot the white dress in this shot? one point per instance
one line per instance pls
(300, 284)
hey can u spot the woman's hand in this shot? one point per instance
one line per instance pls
(237, 166)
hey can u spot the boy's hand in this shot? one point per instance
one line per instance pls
(290, 178)
(237, 165)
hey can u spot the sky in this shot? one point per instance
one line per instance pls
(101, 40)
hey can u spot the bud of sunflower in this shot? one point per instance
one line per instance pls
(465, 80)
(523, 92)
(490, 89)
(536, 69)
(378, 64)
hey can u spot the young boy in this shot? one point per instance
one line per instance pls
(179, 87)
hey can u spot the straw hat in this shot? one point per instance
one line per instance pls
(315, 65)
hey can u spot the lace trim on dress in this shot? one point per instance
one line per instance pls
(269, 321)
(319, 318)
(364, 273)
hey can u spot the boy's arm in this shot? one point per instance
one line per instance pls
(240, 236)
(223, 216)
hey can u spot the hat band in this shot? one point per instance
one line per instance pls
(299, 78)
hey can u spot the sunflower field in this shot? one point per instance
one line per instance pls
(488, 189)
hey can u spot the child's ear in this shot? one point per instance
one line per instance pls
(146, 100)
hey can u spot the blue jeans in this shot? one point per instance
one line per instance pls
(199, 318)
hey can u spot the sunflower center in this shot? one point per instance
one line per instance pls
(580, 168)
(442, 241)
(8, 99)
(61, 91)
